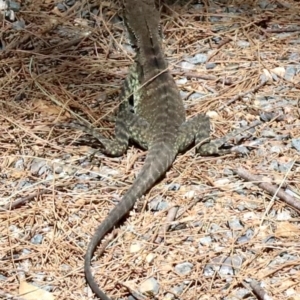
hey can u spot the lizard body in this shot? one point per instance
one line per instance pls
(157, 124)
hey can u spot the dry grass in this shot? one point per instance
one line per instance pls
(62, 66)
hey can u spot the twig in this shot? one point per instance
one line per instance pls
(8, 296)
(258, 291)
(135, 294)
(22, 200)
(195, 75)
(237, 97)
(270, 188)
(170, 218)
(281, 30)
(224, 42)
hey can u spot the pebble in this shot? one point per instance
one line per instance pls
(149, 258)
(210, 65)
(246, 237)
(205, 241)
(199, 58)
(243, 44)
(290, 73)
(235, 224)
(187, 66)
(18, 25)
(174, 187)
(149, 287)
(70, 2)
(296, 144)
(136, 247)
(157, 204)
(61, 7)
(37, 239)
(284, 167)
(184, 268)
(284, 215)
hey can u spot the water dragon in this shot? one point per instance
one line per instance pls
(157, 121)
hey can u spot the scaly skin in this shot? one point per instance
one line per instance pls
(158, 122)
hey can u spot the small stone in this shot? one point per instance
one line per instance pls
(19, 164)
(243, 44)
(178, 289)
(187, 65)
(134, 248)
(149, 287)
(263, 4)
(26, 251)
(18, 25)
(296, 144)
(149, 258)
(205, 241)
(169, 296)
(284, 167)
(275, 149)
(174, 187)
(15, 6)
(37, 239)
(209, 203)
(190, 195)
(184, 268)
(197, 59)
(210, 65)
(290, 72)
(36, 165)
(181, 81)
(197, 96)
(246, 237)
(268, 134)
(294, 56)
(70, 2)
(212, 114)
(157, 204)
(215, 19)
(3, 278)
(235, 224)
(230, 265)
(284, 216)
(43, 170)
(250, 216)
(61, 7)
(58, 169)
(222, 182)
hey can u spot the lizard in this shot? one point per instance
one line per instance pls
(156, 123)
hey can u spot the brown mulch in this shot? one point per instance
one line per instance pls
(66, 65)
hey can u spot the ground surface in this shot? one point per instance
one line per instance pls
(62, 61)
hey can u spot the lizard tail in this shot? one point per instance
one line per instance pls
(159, 158)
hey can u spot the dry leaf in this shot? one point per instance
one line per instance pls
(287, 229)
(31, 292)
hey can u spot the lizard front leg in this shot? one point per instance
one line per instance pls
(129, 126)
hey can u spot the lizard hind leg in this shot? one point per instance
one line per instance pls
(194, 130)
(197, 130)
